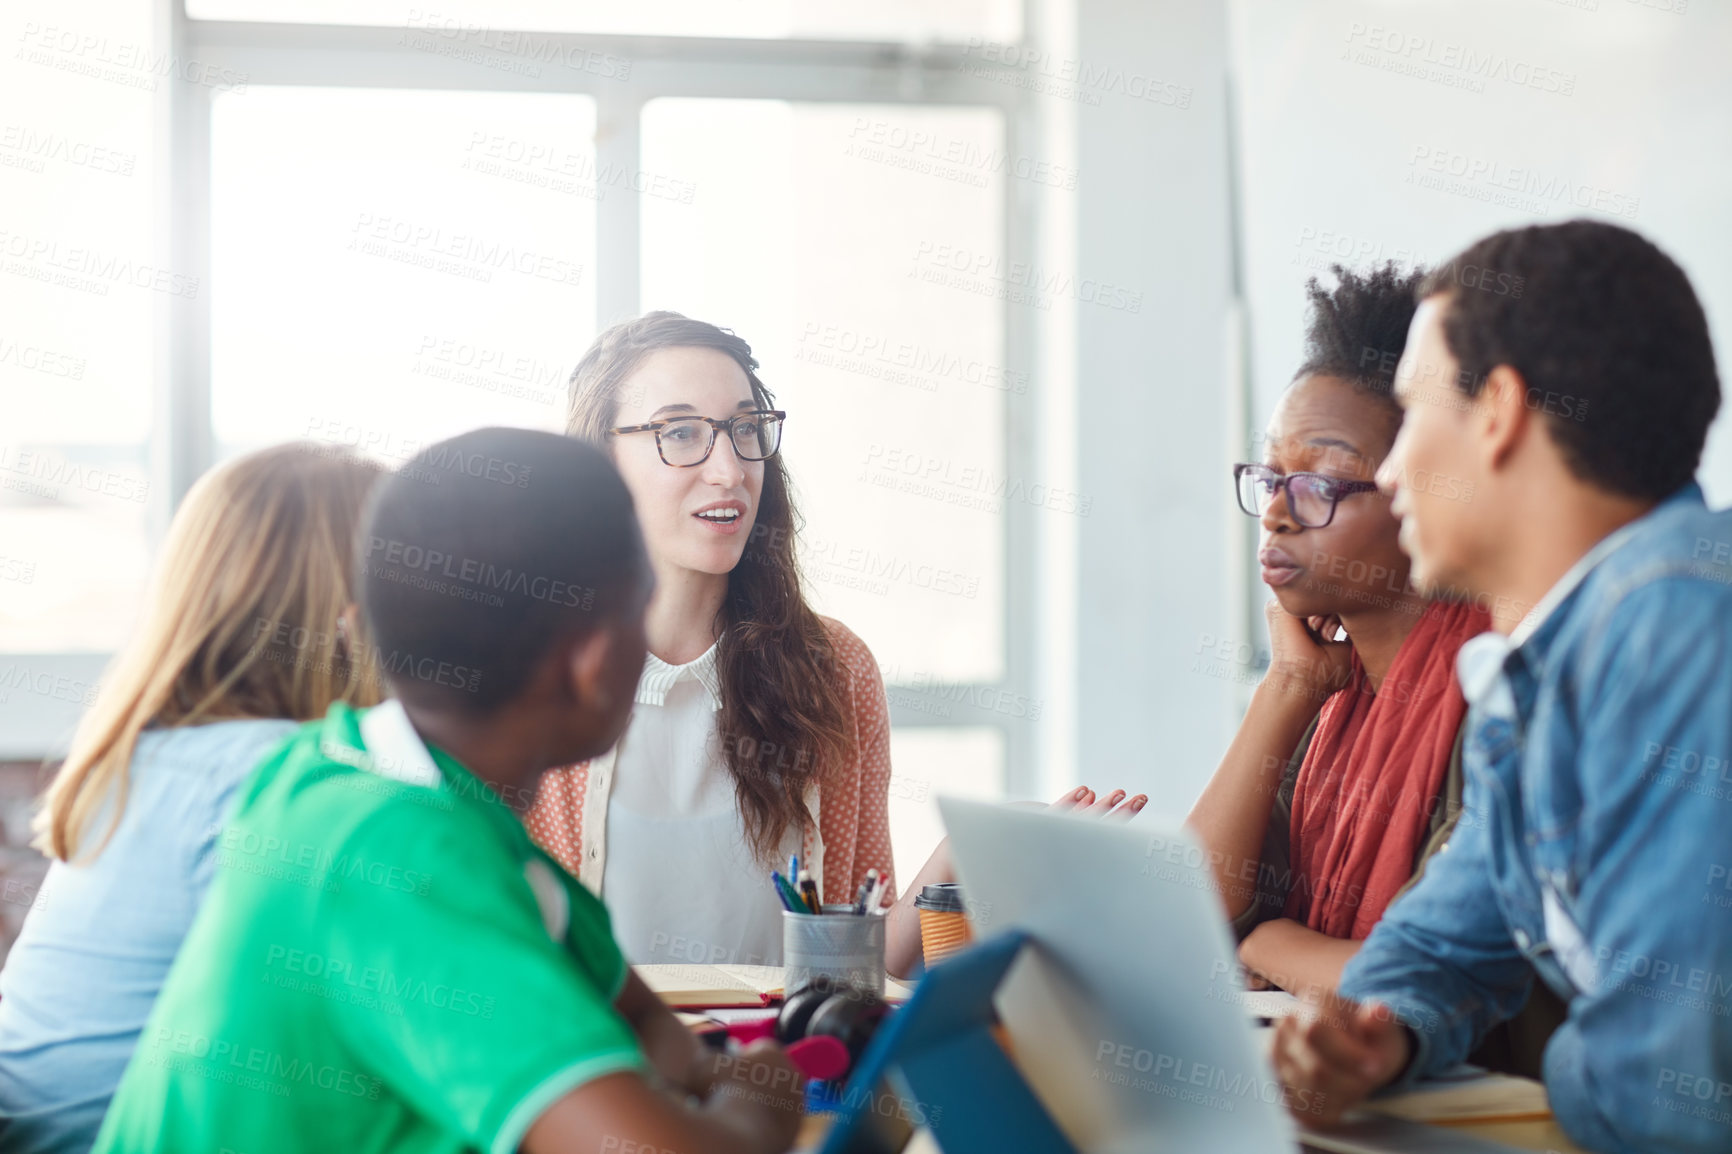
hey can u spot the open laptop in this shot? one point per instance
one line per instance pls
(1128, 1021)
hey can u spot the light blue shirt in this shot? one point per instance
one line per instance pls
(97, 943)
(1594, 847)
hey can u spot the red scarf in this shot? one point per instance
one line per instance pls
(1370, 782)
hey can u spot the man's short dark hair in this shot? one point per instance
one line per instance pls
(484, 551)
(1357, 329)
(1609, 338)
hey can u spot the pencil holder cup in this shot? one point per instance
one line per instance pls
(836, 945)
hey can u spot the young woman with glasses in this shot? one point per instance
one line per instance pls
(762, 729)
(1345, 773)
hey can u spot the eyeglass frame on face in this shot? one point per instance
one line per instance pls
(1337, 489)
(716, 426)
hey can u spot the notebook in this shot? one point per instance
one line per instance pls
(1468, 1094)
(703, 987)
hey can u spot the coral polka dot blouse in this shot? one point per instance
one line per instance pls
(653, 827)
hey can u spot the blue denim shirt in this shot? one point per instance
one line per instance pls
(97, 943)
(1595, 844)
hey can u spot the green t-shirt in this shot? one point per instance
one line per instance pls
(384, 962)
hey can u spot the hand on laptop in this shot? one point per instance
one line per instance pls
(1336, 1053)
(1117, 804)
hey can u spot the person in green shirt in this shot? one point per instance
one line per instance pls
(385, 961)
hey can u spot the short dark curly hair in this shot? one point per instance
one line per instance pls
(1358, 328)
(1608, 337)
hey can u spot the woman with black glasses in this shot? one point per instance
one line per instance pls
(761, 730)
(1345, 774)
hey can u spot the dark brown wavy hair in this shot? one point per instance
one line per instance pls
(783, 719)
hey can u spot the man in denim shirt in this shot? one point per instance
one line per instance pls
(1563, 377)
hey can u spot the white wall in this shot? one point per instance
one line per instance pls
(1334, 149)
(1338, 108)
(1156, 399)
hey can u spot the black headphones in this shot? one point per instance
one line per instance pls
(826, 1008)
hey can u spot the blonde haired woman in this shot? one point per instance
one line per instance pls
(246, 633)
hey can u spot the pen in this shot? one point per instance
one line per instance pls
(876, 897)
(809, 890)
(865, 893)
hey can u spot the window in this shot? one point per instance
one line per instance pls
(400, 231)
(392, 267)
(477, 24)
(962, 762)
(808, 230)
(80, 279)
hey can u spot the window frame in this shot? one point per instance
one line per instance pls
(182, 445)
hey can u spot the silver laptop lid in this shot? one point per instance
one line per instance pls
(1128, 1024)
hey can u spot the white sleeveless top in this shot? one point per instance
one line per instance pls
(681, 884)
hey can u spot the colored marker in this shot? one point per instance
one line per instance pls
(791, 900)
(809, 890)
(794, 895)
